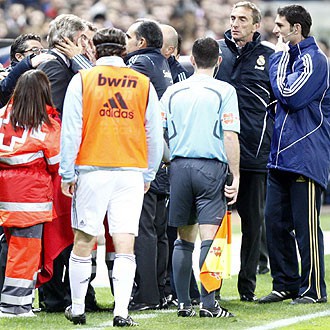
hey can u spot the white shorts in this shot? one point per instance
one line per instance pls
(120, 193)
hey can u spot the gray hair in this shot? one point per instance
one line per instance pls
(65, 25)
(256, 13)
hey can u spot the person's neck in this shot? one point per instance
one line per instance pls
(208, 71)
(297, 40)
(241, 44)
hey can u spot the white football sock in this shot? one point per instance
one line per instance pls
(80, 269)
(123, 277)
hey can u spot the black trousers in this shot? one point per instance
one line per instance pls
(3, 257)
(263, 259)
(151, 250)
(292, 216)
(250, 207)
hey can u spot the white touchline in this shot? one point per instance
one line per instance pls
(272, 325)
(290, 321)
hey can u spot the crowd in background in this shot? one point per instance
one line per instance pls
(191, 18)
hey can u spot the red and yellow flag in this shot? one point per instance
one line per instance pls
(217, 264)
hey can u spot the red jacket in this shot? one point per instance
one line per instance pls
(27, 160)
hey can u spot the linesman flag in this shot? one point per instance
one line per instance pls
(217, 264)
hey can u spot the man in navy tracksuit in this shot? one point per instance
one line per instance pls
(245, 66)
(144, 41)
(299, 160)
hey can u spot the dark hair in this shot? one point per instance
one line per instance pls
(178, 48)
(151, 32)
(110, 42)
(31, 95)
(205, 52)
(297, 14)
(19, 44)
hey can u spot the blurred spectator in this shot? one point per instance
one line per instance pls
(267, 25)
(191, 18)
(324, 45)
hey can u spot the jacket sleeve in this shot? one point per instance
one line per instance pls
(52, 147)
(297, 85)
(79, 62)
(8, 84)
(154, 133)
(71, 133)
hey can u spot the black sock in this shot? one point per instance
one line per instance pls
(182, 267)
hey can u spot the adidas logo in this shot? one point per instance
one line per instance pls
(301, 179)
(116, 107)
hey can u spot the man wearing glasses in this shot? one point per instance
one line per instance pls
(26, 53)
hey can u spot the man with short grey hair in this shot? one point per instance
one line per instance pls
(245, 66)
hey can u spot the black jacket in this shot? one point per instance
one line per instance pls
(178, 71)
(59, 75)
(247, 71)
(153, 64)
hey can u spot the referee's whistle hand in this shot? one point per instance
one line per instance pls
(232, 191)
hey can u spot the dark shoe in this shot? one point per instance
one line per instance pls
(276, 296)
(163, 303)
(171, 301)
(308, 300)
(195, 301)
(186, 311)
(138, 307)
(322, 300)
(216, 311)
(119, 321)
(248, 298)
(76, 319)
(262, 270)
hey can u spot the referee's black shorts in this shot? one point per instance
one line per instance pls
(197, 191)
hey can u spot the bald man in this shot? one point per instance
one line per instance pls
(170, 51)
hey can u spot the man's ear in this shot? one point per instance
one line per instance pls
(170, 50)
(256, 27)
(142, 43)
(219, 60)
(19, 57)
(192, 60)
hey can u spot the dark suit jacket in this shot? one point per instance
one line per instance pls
(59, 75)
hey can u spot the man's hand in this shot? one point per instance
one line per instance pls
(68, 188)
(281, 46)
(146, 187)
(38, 59)
(68, 48)
(231, 191)
(3, 74)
